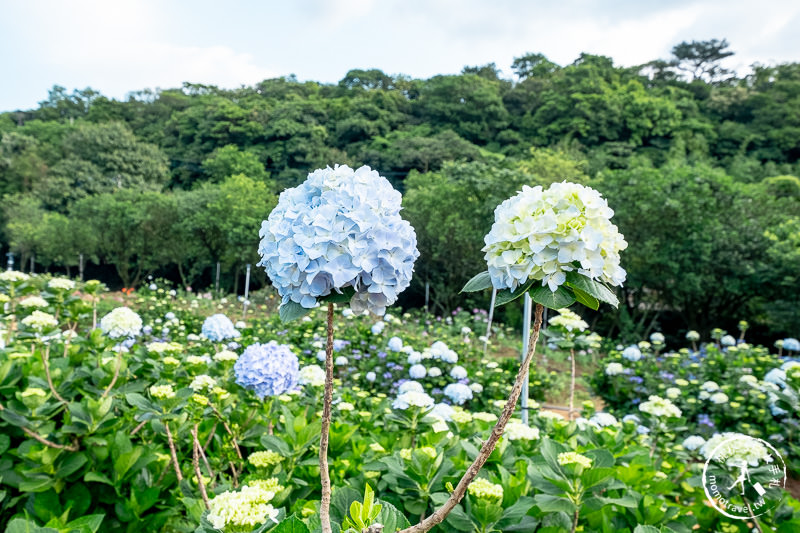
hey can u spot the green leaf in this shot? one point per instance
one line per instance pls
(593, 288)
(391, 518)
(137, 400)
(478, 283)
(291, 524)
(292, 311)
(563, 297)
(505, 296)
(91, 522)
(5, 442)
(641, 528)
(584, 298)
(550, 504)
(98, 478)
(340, 298)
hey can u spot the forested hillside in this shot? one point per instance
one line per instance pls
(700, 166)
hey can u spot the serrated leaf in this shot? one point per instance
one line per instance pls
(593, 288)
(641, 528)
(291, 525)
(478, 283)
(292, 311)
(584, 298)
(505, 296)
(561, 298)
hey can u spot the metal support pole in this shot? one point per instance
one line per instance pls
(489, 323)
(427, 295)
(526, 335)
(32, 262)
(10, 262)
(246, 292)
(80, 265)
(216, 283)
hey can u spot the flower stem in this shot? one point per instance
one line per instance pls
(572, 383)
(46, 363)
(196, 466)
(173, 453)
(324, 475)
(488, 447)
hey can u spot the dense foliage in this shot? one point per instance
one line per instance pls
(699, 165)
(127, 426)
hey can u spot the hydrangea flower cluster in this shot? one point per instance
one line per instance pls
(573, 458)
(614, 369)
(541, 234)
(439, 350)
(268, 369)
(340, 228)
(632, 353)
(62, 284)
(218, 328)
(791, 344)
(39, 320)
(13, 276)
(516, 430)
(568, 320)
(162, 392)
(264, 459)
(458, 393)
(33, 302)
(660, 407)
(412, 399)
(693, 442)
(312, 375)
(483, 489)
(120, 323)
(738, 448)
(245, 508)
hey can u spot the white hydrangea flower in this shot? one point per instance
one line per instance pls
(736, 447)
(40, 320)
(202, 382)
(245, 508)
(568, 320)
(13, 275)
(33, 302)
(516, 430)
(541, 234)
(63, 284)
(614, 369)
(121, 322)
(660, 407)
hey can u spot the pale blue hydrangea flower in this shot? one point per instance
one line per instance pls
(633, 419)
(340, 228)
(776, 376)
(693, 442)
(268, 369)
(443, 411)
(340, 361)
(791, 344)
(657, 338)
(603, 419)
(410, 386)
(417, 372)
(218, 328)
(441, 351)
(377, 327)
(632, 353)
(458, 393)
(458, 372)
(395, 344)
(729, 340)
(370, 376)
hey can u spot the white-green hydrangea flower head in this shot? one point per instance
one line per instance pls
(542, 234)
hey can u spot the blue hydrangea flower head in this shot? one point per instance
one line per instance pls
(791, 344)
(340, 228)
(458, 393)
(218, 328)
(267, 369)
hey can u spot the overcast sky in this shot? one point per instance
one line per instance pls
(117, 46)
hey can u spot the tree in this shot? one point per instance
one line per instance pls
(230, 160)
(130, 230)
(533, 65)
(700, 60)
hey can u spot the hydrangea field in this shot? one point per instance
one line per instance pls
(316, 407)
